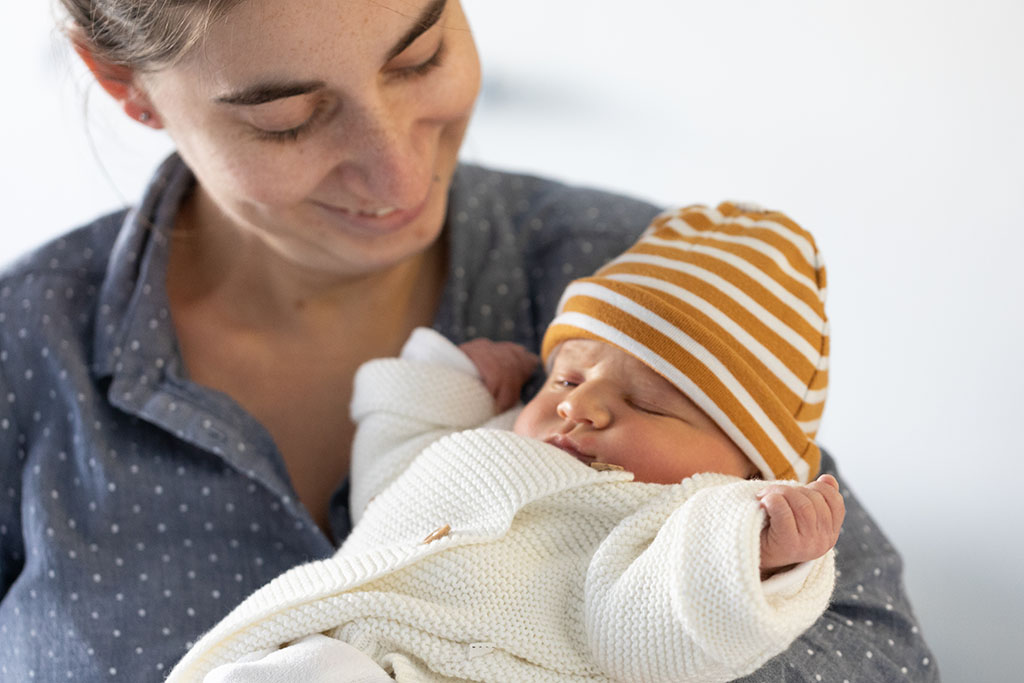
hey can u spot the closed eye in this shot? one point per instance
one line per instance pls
(423, 68)
(288, 135)
(647, 408)
(294, 133)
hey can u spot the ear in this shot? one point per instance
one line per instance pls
(120, 83)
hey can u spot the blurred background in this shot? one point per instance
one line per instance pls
(892, 130)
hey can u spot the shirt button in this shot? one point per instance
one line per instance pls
(437, 534)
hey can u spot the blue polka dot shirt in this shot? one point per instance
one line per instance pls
(138, 507)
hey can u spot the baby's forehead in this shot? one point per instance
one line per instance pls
(582, 354)
(586, 352)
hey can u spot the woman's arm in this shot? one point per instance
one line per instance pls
(869, 632)
(12, 551)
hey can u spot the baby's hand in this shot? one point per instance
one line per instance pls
(803, 522)
(504, 368)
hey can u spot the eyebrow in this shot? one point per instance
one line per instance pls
(261, 93)
(430, 16)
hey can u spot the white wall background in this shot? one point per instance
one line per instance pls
(892, 129)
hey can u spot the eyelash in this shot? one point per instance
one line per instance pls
(569, 384)
(562, 383)
(426, 67)
(293, 134)
(649, 411)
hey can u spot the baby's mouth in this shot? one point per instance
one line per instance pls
(567, 445)
(570, 447)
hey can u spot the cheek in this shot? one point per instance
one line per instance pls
(257, 172)
(453, 95)
(239, 168)
(667, 457)
(722, 456)
(530, 421)
(274, 177)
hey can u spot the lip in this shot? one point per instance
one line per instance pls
(570, 447)
(370, 224)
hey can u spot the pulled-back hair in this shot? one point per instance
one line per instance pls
(142, 34)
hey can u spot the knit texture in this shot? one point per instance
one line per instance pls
(728, 305)
(548, 570)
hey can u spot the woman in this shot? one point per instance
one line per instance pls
(175, 379)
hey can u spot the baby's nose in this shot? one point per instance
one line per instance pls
(585, 407)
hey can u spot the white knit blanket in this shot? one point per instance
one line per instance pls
(542, 568)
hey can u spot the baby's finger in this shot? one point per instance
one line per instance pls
(829, 490)
(514, 358)
(780, 514)
(490, 374)
(819, 527)
(828, 479)
(506, 396)
(780, 541)
(527, 360)
(807, 506)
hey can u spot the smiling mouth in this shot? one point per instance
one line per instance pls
(375, 221)
(373, 213)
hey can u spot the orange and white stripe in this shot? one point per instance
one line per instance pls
(728, 305)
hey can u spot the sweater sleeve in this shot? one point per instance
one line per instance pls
(674, 592)
(402, 405)
(870, 631)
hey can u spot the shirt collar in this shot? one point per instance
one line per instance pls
(136, 347)
(133, 295)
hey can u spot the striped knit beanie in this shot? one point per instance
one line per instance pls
(727, 304)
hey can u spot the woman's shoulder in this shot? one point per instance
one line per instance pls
(49, 295)
(114, 240)
(515, 241)
(80, 254)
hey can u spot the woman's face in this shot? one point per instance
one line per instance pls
(327, 128)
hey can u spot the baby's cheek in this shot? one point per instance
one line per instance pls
(528, 421)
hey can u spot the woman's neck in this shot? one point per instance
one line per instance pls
(245, 284)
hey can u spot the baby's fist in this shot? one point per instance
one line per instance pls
(504, 368)
(803, 522)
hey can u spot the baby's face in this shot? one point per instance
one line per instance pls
(602, 405)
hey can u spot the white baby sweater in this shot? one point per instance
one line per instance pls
(483, 555)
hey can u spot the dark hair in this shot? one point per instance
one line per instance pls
(142, 34)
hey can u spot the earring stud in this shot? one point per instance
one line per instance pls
(145, 116)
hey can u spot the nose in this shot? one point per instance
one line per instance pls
(387, 157)
(585, 405)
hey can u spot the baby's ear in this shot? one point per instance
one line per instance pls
(118, 80)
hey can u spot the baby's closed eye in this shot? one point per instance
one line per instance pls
(648, 406)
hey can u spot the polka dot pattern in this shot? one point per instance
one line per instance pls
(137, 508)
